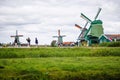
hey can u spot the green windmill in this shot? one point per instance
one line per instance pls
(17, 41)
(92, 34)
(60, 38)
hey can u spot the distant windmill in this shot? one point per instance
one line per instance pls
(95, 28)
(60, 38)
(16, 41)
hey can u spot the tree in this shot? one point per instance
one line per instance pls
(53, 43)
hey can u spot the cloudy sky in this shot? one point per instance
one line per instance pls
(42, 18)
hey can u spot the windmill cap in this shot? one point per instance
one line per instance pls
(97, 22)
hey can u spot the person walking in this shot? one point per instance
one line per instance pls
(28, 40)
(36, 42)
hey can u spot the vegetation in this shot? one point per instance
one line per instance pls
(60, 63)
(57, 52)
(53, 43)
(110, 44)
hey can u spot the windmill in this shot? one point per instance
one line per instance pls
(60, 38)
(16, 41)
(94, 31)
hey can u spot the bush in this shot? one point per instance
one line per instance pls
(110, 44)
(57, 52)
(106, 52)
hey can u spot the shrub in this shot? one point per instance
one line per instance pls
(110, 44)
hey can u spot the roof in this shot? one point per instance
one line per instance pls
(113, 36)
(103, 36)
(67, 43)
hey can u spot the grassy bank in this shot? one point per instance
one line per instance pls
(61, 68)
(110, 44)
(57, 52)
(60, 63)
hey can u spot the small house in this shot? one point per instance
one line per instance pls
(109, 38)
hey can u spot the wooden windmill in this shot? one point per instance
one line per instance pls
(95, 30)
(17, 41)
(60, 38)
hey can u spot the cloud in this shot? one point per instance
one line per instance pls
(42, 18)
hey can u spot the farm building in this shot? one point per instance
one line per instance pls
(109, 38)
(113, 37)
(68, 43)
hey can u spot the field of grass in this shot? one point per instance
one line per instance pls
(60, 63)
(57, 52)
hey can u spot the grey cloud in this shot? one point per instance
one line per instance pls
(46, 16)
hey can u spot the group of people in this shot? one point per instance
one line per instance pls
(29, 40)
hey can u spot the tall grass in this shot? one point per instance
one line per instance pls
(61, 68)
(60, 63)
(110, 44)
(57, 52)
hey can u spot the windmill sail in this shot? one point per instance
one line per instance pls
(78, 26)
(97, 13)
(82, 34)
(86, 18)
(86, 24)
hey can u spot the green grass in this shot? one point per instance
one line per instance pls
(57, 52)
(110, 44)
(60, 63)
(50, 68)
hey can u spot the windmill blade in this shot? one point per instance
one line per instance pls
(79, 37)
(78, 26)
(55, 36)
(20, 35)
(63, 35)
(59, 32)
(17, 36)
(83, 29)
(86, 24)
(97, 13)
(82, 33)
(86, 18)
(12, 36)
(16, 32)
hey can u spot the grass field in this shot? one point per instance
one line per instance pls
(60, 63)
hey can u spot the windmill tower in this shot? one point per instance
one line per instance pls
(60, 38)
(95, 30)
(17, 41)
